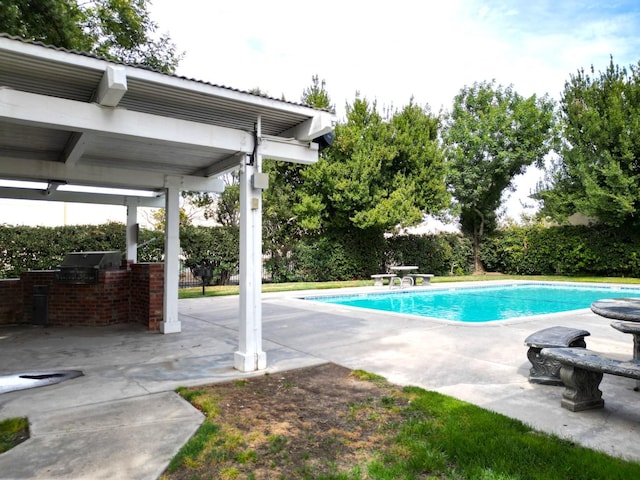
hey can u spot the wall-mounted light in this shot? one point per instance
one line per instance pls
(108, 191)
(23, 184)
(325, 140)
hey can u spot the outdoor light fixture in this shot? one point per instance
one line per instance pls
(113, 86)
(23, 184)
(108, 191)
(325, 140)
(51, 186)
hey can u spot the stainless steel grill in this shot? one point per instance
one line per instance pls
(84, 267)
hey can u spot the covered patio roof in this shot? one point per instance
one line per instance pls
(74, 118)
(68, 119)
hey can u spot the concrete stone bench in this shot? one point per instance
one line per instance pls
(582, 370)
(378, 279)
(426, 277)
(547, 371)
(632, 328)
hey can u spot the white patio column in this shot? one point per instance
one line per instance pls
(171, 323)
(132, 232)
(250, 356)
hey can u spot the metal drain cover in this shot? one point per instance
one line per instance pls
(21, 381)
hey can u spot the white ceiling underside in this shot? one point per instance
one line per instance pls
(72, 118)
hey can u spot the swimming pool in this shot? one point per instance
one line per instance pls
(484, 303)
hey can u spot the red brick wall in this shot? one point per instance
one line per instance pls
(100, 304)
(120, 296)
(147, 294)
(10, 301)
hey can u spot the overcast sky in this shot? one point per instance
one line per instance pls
(393, 51)
(387, 51)
(390, 51)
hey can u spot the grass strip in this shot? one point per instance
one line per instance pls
(447, 436)
(223, 290)
(13, 431)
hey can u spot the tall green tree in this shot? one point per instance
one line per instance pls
(598, 172)
(492, 135)
(378, 174)
(316, 95)
(120, 30)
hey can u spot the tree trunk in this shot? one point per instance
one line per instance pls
(478, 232)
(478, 268)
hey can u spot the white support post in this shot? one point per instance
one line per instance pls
(250, 356)
(171, 323)
(132, 233)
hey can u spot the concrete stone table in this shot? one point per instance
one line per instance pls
(403, 269)
(626, 312)
(626, 309)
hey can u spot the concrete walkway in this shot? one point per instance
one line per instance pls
(123, 420)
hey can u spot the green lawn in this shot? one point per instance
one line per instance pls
(215, 291)
(419, 435)
(12, 432)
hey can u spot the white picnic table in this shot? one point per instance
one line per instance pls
(403, 269)
(402, 274)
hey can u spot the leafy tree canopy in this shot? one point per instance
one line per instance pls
(316, 95)
(598, 172)
(119, 30)
(378, 174)
(491, 136)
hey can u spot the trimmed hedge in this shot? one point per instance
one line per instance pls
(217, 248)
(358, 255)
(564, 250)
(441, 254)
(343, 255)
(25, 248)
(346, 255)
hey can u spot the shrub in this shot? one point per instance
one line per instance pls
(441, 254)
(563, 250)
(214, 247)
(339, 255)
(25, 248)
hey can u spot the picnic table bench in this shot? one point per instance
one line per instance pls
(426, 277)
(547, 371)
(582, 370)
(378, 279)
(395, 280)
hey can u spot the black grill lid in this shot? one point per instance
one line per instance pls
(98, 260)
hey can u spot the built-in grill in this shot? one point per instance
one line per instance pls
(84, 267)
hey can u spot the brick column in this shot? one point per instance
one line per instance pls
(147, 294)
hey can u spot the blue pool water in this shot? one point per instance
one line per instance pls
(484, 304)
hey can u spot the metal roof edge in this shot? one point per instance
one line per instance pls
(33, 48)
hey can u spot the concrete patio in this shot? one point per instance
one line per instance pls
(123, 420)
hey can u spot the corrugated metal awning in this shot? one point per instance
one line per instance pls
(53, 127)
